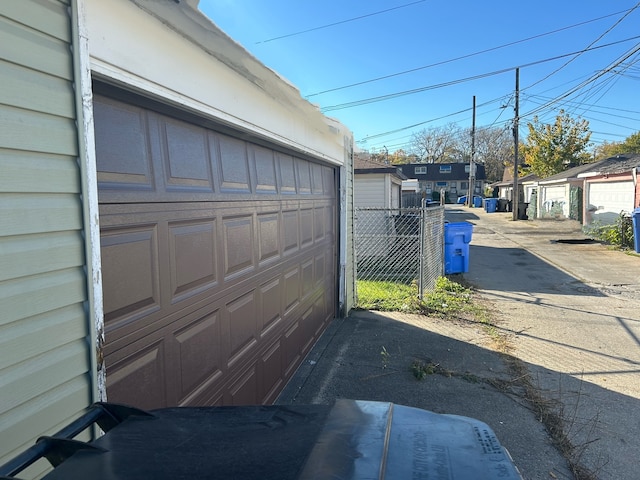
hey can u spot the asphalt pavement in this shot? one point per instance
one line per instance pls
(570, 310)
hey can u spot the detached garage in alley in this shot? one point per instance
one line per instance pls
(175, 226)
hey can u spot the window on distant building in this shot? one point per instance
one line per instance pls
(441, 184)
(445, 168)
(464, 185)
(421, 170)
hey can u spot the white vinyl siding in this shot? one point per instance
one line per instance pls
(370, 191)
(45, 366)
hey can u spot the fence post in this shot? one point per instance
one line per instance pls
(421, 232)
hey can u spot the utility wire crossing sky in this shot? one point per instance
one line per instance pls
(390, 69)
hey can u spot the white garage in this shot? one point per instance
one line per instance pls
(607, 199)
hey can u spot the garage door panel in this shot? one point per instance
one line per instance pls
(292, 288)
(270, 305)
(268, 237)
(291, 342)
(238, 245)
(303, 170)
(319, 271)
(192, 258)
(132, 273)
(138, 376)
(125, 160)
(234, 165)
(198, 352)
(307, 278)
(265, 166)
(242, 325)
(306, 227)
(187, 162)
(244, 391)
(270, 373)
(287, 174)
(291, 234)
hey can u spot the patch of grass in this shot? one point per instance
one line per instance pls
(448, 298)
(387, 296)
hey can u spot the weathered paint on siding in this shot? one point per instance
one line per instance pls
(346, 228)
(45, 367)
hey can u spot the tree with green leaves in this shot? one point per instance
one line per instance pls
(553, 148)
(609, 149)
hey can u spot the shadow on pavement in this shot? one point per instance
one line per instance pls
(517, 270)
(468, 379)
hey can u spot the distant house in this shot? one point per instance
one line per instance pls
(376, 184)
(610, 188)
(453, 178)
(526, 186)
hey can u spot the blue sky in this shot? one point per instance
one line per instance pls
(444, 44)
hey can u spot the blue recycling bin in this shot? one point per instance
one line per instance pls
(490, 205)
(477, 202)
(635, 217)
(457, 236)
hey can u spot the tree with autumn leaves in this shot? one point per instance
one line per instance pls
(553, 148)
(630, 145)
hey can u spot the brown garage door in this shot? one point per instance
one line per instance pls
(218, 259)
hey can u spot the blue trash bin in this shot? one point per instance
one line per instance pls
(635, 217)
(477, 202)
(490, 205)
(457, 236)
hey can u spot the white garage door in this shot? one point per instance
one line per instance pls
(607, 199)
(554, 200)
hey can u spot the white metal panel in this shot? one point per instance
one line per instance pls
(606, 200)
(369, 191)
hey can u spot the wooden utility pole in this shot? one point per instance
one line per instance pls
(472, 179)
(515, 194)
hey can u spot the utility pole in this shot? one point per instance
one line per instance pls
(515, 194)
(472, 179)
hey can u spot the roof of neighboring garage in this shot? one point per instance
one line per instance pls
(571, 173)
(366, 165)
(619, 164)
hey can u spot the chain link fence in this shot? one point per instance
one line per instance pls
(402, 245)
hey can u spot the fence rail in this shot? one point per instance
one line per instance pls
(402, 245)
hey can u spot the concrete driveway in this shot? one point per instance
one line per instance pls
(572, 312)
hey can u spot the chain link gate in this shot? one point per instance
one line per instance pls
(401, 245)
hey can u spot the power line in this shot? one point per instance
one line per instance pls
(588, 46)
(340, 22)
(408, 127)
(364, 82)
(365, 101)
(586, 82)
